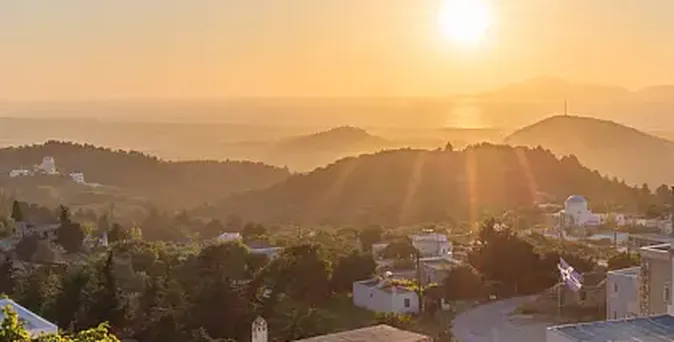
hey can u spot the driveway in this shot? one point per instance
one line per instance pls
(493, 323)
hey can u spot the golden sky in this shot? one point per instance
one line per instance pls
(83, 49)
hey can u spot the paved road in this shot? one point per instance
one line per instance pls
(492, 323)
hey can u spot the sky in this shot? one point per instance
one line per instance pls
(86, 50)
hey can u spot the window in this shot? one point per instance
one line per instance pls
(583, 295)
(407, 302)
(666, 294)
(615, 288)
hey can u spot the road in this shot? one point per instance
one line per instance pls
(493, 323)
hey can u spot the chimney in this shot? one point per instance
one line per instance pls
(259, 330)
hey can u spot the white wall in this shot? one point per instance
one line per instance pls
(374, 299)
(624, 302)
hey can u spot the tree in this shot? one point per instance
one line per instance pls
(400, 249)
(252, 230)
(17, 212)
(369, 236)
(623, 260)
(108, 304)
(449, 147)
(69, 234)
(302, 273)
(463, 282)
(212, 229)
(7, 276)
(119, 233)
(27, 247)
(351, 268)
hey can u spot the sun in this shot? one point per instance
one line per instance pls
(465, 21)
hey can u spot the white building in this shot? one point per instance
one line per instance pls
(19, 173)
(35, 324)
(622, 293)
(48, 166)
(576, 213)
(377, 333)
(78, 177)
(431, 244)
(226, 236)
(385, 295)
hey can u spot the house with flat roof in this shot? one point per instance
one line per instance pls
(622, 293)
(35, 325)
(646, 329)
(385, 295)
(377, 333)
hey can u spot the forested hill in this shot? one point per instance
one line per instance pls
(174, 184)
(417, 186)
(615, 149)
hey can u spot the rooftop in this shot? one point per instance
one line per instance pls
(32, 322)
(377, 333)
(631, 271)
(653, 237)
(651, 329)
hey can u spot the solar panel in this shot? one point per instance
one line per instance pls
(651, 329)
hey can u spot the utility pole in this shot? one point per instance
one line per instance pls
(419, 285)
(566, 113)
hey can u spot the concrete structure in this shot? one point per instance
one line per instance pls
(655, 280)
(622, 293)
(78, 177)
(259, 330)
(651, 329)
(35, 324)
(385, 295)
(19, 173)
(261, 247)
(377, 333)
(48, 166)
(435, 270)
(576, 213)
(431, 244)
(230, 237)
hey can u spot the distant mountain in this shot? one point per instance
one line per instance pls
(304, 153)
(420, 186)
(612, 148)
(171, 184)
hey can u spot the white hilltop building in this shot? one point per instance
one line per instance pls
(48, 166)
(576, 213)
(78, 177)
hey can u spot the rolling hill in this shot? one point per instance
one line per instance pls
(168, 184)
(306, 152)
(419, 186)
(614, 149)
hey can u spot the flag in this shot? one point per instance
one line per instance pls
(570, 277)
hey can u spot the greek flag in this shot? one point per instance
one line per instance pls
(570, 277)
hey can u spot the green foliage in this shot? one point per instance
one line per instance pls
(13, 330)
(69, 234)
(253, 230)
(17, 212)
(394, 320)
(351, 268)
(624, 260)
(400, 249)
(369, 236)
(463, 282)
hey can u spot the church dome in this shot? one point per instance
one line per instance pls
(576, 199)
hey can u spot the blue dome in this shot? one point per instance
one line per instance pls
(576, 199)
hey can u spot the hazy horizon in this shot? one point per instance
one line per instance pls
(300, 48)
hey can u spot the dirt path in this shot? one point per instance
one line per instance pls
(493, 323)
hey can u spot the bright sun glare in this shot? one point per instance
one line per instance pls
(465, 21)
